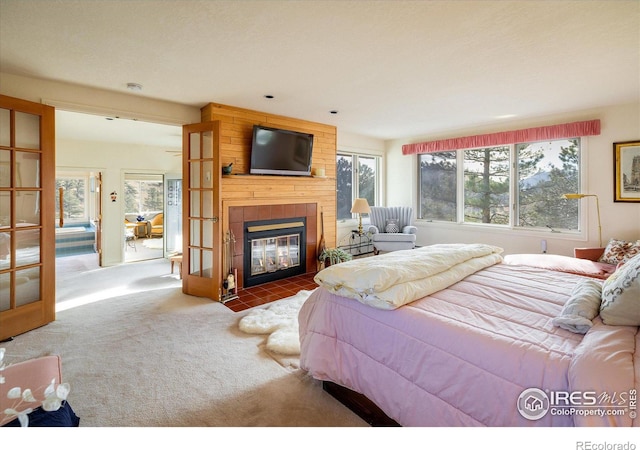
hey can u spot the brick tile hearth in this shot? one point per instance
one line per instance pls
(269, 292)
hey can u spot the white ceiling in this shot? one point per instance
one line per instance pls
(393, 69)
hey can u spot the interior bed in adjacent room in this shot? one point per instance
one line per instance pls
(470, 345)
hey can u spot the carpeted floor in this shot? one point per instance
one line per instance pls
(137, 352)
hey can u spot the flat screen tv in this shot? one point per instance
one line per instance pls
(280, 152)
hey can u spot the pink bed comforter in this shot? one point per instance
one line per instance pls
(462, 356)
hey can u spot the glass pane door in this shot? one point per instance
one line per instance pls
(173, 216)
(27, 190)
(202, 241)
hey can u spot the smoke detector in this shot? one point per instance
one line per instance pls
(134, 87)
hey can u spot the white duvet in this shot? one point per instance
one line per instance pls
(394, 279)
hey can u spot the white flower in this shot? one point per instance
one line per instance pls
(2, 380)
(14, 393)
(23, 416)
(54, 396)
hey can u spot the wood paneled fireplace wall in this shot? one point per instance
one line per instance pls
(245, 197)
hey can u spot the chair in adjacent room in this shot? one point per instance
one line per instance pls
(392, 228)
(129, 238)
(157, 228)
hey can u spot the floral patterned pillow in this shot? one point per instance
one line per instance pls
(618, 251)
(621, 295)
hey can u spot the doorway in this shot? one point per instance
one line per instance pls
(77, 212)
(144, 218)
(119, 146)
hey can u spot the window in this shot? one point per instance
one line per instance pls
(360, 183)
(438, 186)
(519, 185)
(143, 193)
(546, 170)
(486, 185)
(74, 198)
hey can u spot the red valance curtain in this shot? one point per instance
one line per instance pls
(565, 130)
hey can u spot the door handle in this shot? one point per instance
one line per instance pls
(212, 219)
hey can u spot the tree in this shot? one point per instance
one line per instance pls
(344, 186)
(73, 196)
(486, 187)
(367, 183)
(438, 186)
(540, 195)
(131, 195)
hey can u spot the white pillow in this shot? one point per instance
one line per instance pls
(583, 305)
(621, 295)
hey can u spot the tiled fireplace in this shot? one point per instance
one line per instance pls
(274, 249)
(273, 241)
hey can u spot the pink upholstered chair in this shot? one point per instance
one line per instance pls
(35, 374)
(590, 253)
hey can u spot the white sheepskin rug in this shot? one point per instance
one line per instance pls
(280, 321)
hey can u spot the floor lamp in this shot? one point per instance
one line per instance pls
(360, 207)
(580, 196)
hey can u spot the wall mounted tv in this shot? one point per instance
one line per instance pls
(280, 152)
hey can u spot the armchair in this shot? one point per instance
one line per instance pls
(392, 228)
(157, 225)
(590, 253)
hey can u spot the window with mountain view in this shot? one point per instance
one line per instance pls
(546, 170)
(535, 174)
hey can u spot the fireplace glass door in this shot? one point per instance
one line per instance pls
(275, 253)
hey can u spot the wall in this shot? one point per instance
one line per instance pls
(619, 220)
(73, 97)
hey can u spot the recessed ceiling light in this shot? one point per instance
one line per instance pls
(506, 116)
(134, 86)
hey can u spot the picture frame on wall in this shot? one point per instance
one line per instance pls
(627, 171)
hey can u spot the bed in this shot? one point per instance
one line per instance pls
(481, 351)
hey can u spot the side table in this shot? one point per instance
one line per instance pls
(142, 229)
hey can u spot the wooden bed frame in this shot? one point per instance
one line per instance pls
(360, 405)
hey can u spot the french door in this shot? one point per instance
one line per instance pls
(202, 256)
(97, 221)
(173, 214)
(27, 216)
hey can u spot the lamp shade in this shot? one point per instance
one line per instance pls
(574, 196)
(360, 206)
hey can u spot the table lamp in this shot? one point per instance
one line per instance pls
(360, 207)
